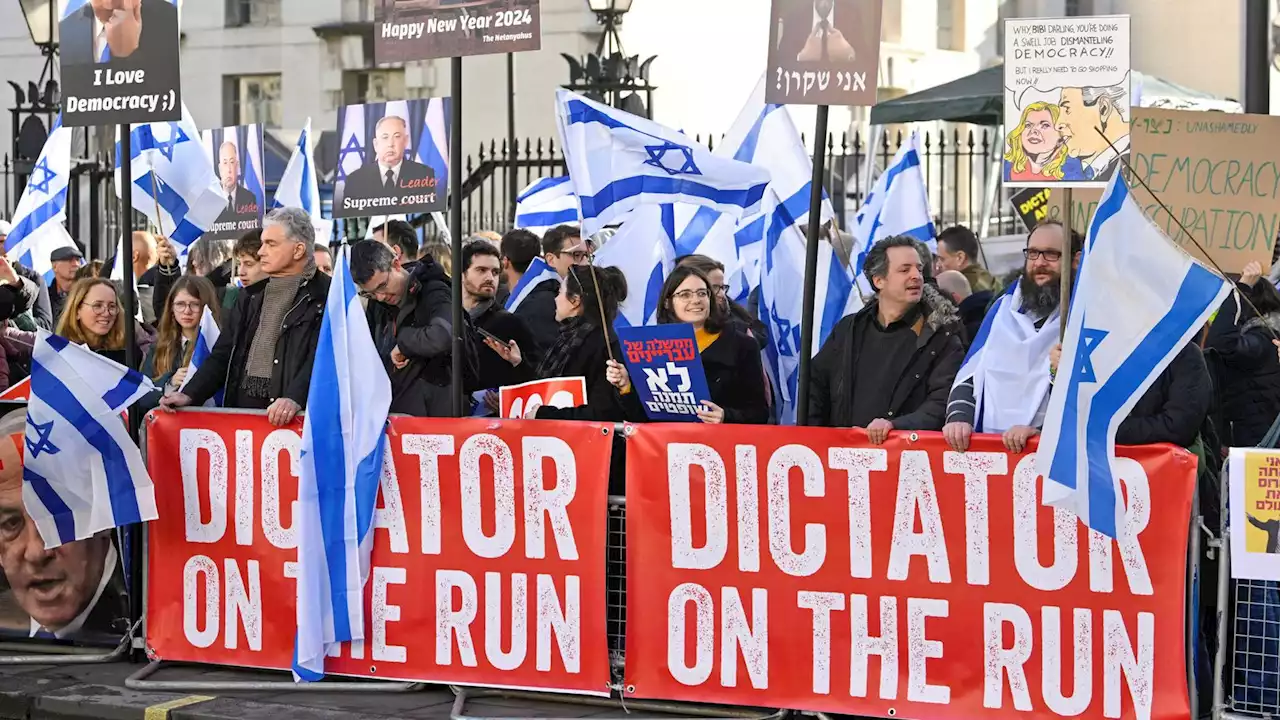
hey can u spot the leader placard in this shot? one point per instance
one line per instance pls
(236, 155)
(405, 30)
(393, 158)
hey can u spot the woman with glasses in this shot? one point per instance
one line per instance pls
(737, 316)
(169, 360)
(92, 317)
(730, 358)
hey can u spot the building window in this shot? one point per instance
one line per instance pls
(950, 24)
(251, 99)
(242, 13)
(368, 86)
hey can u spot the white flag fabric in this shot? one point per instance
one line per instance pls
(1139, 300)
(619, 161)
(206, 338)
(546, 203)
(644, 251)
(343, 441)
(537, 272)
(184, 198)
(897, 205)
(299, 188)
(38, 227)
(82, 473)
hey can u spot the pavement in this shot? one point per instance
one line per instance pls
(79, 692)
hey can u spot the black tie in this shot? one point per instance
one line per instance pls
(391, 181)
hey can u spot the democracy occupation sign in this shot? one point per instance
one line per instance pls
(236, 156)
(405, 30)
(823, 52)
(488, 560)
(119, 61)
(805, 568)
(666, 370)
(393, 158)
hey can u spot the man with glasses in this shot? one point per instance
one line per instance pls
(1004, 384)
(562, 247)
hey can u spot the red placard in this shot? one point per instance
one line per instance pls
(803, 568)
(470, 514)
(516, 401)
(20, 390)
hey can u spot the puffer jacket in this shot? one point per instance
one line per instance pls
(1246, 371)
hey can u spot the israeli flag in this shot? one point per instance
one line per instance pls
(546, 203)
(83, 473)
(351, 150)
(897, 205)
(253, 174)
(1123, 330)
(537, 272)
(118, 264)
(206, 338)
(299, 187)
(643, 250)
(184, 198)
(432, 148)
(343, 441)
(38, 220)
(619, 161)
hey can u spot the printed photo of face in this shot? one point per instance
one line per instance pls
(228, 166)
(390, 140)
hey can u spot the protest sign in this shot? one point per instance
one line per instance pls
(823, 52)
(20, 390)
(515, 401)
(1255, 514)
(393, 158)
(488, 564)
(407, 30)
(1032, 205)
(128, 72)
(236, 156)
(805, 568)
(1066, 100)
(666, 370)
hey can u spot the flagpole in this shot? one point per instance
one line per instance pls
(512, 184)
(126, 249)
(455, 232)
(811, 263)
(1068, 270)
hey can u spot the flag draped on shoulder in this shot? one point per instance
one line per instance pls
(898, 204)
(546, 203)
(537, 272)
(299, 187)
(38, 220)
(1139, 300)
(82, 473)
(343, 441)
(619, 161)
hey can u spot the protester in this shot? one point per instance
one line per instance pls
(730, 356)
(143, 275)
(92, 317)
(169, 360)
(1238, 350)
(65, 261)
(211, 259)
(263, 358)
(480, 262)
(736, 315)
(411, 318)
(563, 247)
(248, 266)
(441, 254)
(890, 365)
(19, 291)
(402, 239)
(324, 259)
(537, 308)
(488, 236)
(959, 250)
(91, 269)
(1005, 382)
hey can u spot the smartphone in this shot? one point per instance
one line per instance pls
(490, 336)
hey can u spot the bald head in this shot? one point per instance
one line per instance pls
(390, 139)
(228, 166)
(955, 285)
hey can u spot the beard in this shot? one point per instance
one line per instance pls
(1040, 300)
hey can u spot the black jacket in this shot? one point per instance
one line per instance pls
(973, 310)
(538, 311)
(494, 372)
(29, 295)
(164, 277)
(1243, 362)
(295, 347)
(920, 395)
(1175, 407)
(603, 401)
(735, 380)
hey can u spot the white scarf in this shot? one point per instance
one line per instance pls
(1011, 382)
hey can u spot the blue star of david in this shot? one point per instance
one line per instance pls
(1090, 339)
(352, 147)
(788, 334)
(658, 153)
(175, 136)
(41, 185)
(42, 444)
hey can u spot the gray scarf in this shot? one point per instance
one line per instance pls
(277, 299)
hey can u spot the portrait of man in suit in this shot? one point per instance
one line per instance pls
(240, 200)
(125, 34)
(391, 174)
(71, 591)
(840, 38)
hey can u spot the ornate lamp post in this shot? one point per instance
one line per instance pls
(608, 75)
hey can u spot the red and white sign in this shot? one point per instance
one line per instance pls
(20, 390)
(488, 550)
(517, 401)
(803, 568)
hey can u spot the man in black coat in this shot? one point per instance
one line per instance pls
(1174, 408)
(481, 268)
(535, 305)
(890, 366)
(264, 356)
(391, 175)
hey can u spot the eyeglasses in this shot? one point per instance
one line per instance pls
(378, 289)
(188, 306)
(720, 289)
(1035, 254)
(687, 295)
(100, 308)
(579, 256)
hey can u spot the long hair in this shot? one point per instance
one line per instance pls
(69, 323)
(1017, 157)
(666, 311)
(581, 283)
(169, 340)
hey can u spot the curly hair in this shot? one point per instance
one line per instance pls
(1017, 156)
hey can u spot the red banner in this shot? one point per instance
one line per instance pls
(802, 568)
(470, 514)
(517, 401)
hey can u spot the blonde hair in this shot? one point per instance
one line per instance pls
(69, 324)
(1017, 157)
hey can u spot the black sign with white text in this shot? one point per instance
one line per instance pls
(405, 30)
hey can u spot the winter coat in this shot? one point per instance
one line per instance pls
(1175, 407)
(1244, 363)
(495, 372)
(538, 310)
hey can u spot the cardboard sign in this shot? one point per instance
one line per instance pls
(666, 370)
(804, 568)
(1066, 100)
(1255, 514)
(407, 30)
(393, 158)
(823, 52)
(119, 66)
(236, 156)
(517, 401)
(1032, 205)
